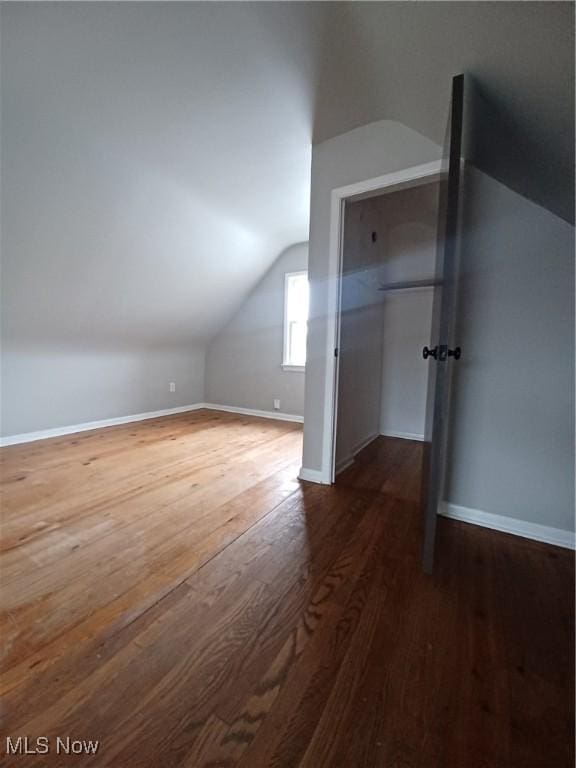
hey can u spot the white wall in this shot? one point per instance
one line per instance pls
(45, 386)
(244, 361)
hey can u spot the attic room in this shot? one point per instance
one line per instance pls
(287, 384)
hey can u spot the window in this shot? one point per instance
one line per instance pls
(295, 320)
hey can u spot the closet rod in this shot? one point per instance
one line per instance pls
(406, 284)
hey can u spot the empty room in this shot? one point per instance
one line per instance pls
(287, 424)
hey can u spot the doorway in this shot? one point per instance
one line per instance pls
(386, 302)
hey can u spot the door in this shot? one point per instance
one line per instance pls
(443, 351)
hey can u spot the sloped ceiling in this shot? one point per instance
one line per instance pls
(156, 160)
(399, 59)
(156, 156)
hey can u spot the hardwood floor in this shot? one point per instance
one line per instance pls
(171, 590)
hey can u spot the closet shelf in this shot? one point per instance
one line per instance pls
(405, 285)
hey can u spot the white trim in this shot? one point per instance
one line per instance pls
(334, 287)
(363, 443)
(402, 179)
(344, 463)
(293, 368)
(313, 476)
(556, 536)
(278, 415)
(45, 434)
(347, 461)
(398, 179)
(286, 365)
(403, 435)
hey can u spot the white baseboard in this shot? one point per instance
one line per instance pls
(343, 464)
(45, 434)
(71, 429)
(347, 461)
(253, 412)
(363, 443)
(403, 435)
(557, 536)
(313, 476)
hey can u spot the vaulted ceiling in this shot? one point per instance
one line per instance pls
(156, 156)
(399, 58)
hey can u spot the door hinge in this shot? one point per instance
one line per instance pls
(335, 351)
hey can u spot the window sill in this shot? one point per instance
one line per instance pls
(293, 368)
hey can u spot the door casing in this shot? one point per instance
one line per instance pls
(390, 182)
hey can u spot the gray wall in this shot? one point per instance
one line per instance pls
(512, 442)
(155, 160)
(364, 153)
(360, 348)
(409, 224)
(244, 361)
(119, 164)
(47, 386)
(396, 60)
(512, 447)
(382, 378)
(406, 329)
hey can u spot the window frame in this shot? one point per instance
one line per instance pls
(286, 364)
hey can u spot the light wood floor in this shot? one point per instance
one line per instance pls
(171, 590)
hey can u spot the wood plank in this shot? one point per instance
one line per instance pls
(171, 589)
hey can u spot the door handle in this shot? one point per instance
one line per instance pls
(456, 353)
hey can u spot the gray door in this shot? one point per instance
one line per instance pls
(442, 351)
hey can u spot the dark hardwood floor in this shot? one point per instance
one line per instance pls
(171, 590)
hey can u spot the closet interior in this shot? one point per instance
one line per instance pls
(387, 294)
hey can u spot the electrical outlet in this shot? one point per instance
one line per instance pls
(172, 386)
(276, 405)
